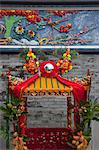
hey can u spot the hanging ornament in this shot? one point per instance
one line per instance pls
(31, 64)
(65, 63)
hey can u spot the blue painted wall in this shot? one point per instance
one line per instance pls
(84, 31)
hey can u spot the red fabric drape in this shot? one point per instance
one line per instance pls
(22, 124)
(78, 89)
(20, 87)
(48, 138)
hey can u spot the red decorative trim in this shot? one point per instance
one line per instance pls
(22, 124)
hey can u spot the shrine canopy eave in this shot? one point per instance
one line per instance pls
(47, 84)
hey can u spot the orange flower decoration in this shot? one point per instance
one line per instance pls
(19, 30)
(30, 54)
(31, 33)
(80, 141)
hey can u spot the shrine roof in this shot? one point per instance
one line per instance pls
(47, 84)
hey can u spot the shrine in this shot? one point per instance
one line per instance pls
(47, 81)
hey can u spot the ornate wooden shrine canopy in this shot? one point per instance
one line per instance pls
(48, 80)
(47, 84)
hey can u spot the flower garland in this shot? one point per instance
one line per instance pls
(65, 64)
(31, 64)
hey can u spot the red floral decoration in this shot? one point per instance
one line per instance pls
(31, 15)
(65, 64)
(63, 12)
(31, 33)
(66, 28)
(48, 69)
(31, 64)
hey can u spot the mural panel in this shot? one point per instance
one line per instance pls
(49, 27)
